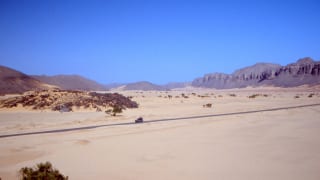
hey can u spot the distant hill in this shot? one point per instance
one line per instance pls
(114, 85)
(305, 71)
(72, 82)
(175, 85)
(13, 81)
(143, 86)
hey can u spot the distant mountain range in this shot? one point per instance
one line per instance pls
(147, 86)
(305, 71)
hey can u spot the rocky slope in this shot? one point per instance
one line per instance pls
(304, 71)
(72, 82)
(12, 81)
(66, 100)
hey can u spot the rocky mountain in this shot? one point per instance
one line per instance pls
(304, 71)
(143, 86)
(72, 82)
(12, 81)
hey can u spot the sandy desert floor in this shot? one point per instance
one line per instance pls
(282, 144)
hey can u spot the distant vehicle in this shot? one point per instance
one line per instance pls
(139, 120)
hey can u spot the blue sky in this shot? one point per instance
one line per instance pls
(159, 41)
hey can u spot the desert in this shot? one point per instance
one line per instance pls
(160, 90)
(181, 137)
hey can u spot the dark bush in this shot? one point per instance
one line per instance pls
(43, 171)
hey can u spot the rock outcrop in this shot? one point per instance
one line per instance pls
(304, 71)
(67, 100)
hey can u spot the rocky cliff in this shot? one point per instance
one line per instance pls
(304, 71)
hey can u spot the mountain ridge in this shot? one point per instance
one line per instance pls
(303, 71)
(71, 82)
(13, 81)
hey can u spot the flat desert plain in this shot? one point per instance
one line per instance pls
(237, 138)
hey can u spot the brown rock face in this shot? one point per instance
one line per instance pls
(304, 71)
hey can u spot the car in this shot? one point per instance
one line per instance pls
(139, 120)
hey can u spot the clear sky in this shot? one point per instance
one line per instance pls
(159, 41)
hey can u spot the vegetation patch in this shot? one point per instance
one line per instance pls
(66, 100)
(257, 95)
(208, 105)
(42, 171)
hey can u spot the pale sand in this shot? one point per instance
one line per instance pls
(281, 144)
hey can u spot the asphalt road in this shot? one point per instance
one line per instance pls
(154, 121)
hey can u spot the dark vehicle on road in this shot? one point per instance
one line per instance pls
(139, 120)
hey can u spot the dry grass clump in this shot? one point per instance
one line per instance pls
(257, 95)
(203, 96)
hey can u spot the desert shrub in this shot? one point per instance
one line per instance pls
(253, 96)
(257, 95)
(311, 95)
(232, 95)
(296, 96)
(184, 96)
(209, 105)
(203, 96)
(42, 171)
(116, 109)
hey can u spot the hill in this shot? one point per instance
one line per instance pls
(13, 81)
(143, 86)
(71, 82)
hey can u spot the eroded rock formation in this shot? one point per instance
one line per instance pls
(304, 71)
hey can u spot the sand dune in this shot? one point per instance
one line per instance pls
(264, 145)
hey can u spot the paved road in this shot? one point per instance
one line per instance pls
(154, 121)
